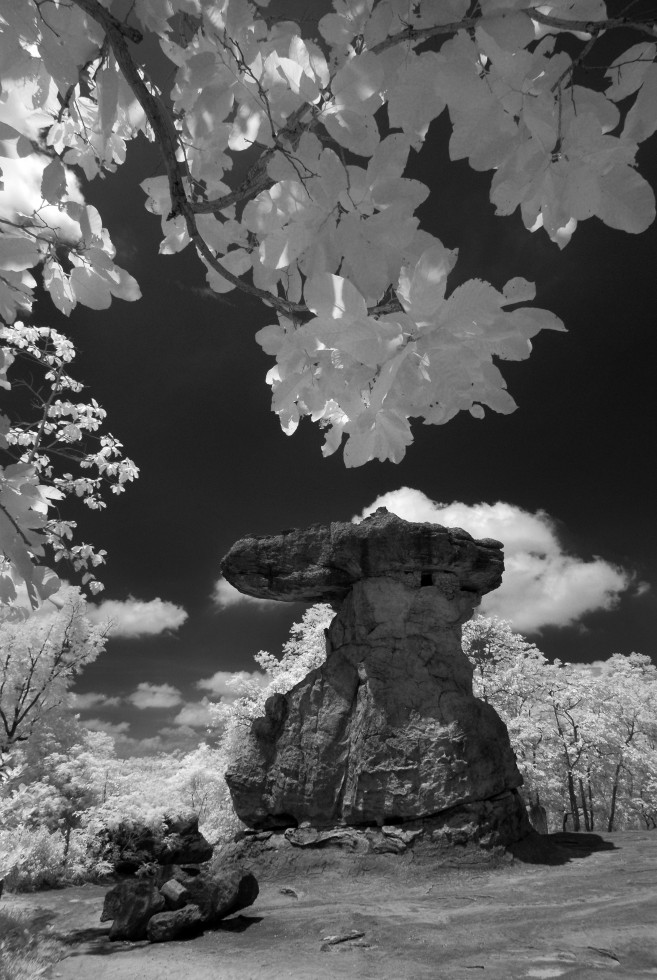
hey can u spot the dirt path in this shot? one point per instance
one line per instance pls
(594, 916)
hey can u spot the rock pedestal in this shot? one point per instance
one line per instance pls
(387, 732)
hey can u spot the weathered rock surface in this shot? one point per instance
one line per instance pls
(387, 730)
(322, 562)
(221, 895)
(475, 834)
(178, 924)
(131, 904)
(134, 904)
(174, 894)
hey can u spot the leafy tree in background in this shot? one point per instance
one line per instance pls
(585, 741)
(39, 659)
(304, 651)
(284, 150)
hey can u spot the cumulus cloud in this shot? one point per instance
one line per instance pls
(226, 596)
(155, 696)
(194, 714)
(116, 729)
(223, 683)
(136, 617)
(91, 699)
(542, 585)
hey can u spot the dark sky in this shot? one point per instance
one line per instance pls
(183, 382)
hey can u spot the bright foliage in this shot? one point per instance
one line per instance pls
(39, 660)
(585, 741)
(320, 221)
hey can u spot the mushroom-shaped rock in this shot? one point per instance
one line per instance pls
(322, 562)
(388, 729)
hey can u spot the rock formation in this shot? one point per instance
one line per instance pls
(386, 732)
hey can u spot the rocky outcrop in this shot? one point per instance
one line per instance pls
(171, 901)
(387, 731)
(182, 904)
(131, 904)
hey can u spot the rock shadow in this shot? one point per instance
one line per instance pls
(558, 849)
(239, 923)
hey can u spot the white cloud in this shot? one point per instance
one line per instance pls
(542, 585)
(224, 683)
(155, 696)
(226, 596)
(194, 714)
(115, 729)
(91, 699)
(137, 617)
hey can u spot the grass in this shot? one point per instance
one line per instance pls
(26, 948)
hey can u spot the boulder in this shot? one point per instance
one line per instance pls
(174, 894)
(180, 924)
(131, 904)
(218, 896)
(321, 563)
(387, 730)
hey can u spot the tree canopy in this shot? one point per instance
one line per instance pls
(284, 148)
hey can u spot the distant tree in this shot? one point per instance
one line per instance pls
(318, 220)
(585, 742)
(304, 651)
(39, 658)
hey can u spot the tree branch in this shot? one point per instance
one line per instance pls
(168, 140)
(257, 180)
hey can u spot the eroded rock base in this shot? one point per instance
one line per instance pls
(475, 833)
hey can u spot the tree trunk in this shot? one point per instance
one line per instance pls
(573, 802)
(591, 803)
(614, 794)
(585, 810)
(67, 844)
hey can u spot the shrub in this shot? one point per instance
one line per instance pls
(25, 949)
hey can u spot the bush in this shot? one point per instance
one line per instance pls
(25, 948)
(37, 859)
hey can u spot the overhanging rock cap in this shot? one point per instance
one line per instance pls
(322, 562)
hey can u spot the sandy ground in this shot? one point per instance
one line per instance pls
(592, 916)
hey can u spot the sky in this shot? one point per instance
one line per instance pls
(566, 482)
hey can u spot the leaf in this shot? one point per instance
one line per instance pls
(91, 224)
(18, 253)
(519, 290)
(354, 131)
(53, 182)
(512, 30)
(236, 261)
(382, 435)
(627, 71)
(627, 201)
(334, 297)
(58, 285)
(159, 198)
(357, 84)
(107, 82)
(423, 291)
(414, 98)
(641, 120)
(90, 289)
(582, 192)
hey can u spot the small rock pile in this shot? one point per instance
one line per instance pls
(180, 898)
